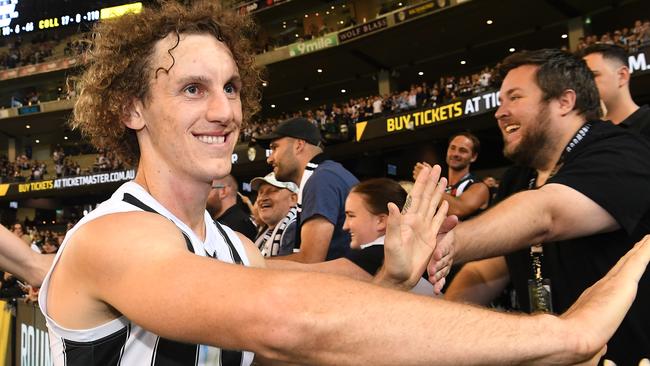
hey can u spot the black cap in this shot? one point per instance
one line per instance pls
(299, 128)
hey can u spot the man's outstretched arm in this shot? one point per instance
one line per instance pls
(323, 319)
(19, 259)
(553, 212)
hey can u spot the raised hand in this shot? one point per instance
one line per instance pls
(598, 312)
(411, 235)
(418, 168)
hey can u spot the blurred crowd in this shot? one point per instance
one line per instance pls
(632, 38)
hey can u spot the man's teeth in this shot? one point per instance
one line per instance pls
(212, 139)
(512, 128)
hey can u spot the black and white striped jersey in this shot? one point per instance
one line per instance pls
(122, 342)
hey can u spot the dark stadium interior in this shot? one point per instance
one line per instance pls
(422, 49)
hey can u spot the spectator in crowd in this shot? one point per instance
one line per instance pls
(276, 207)
(50, 245)
(297, 157)
(17, 229)
(583, 219)
(366, 218)
(225, 207)
(610, 67)
(467, 195)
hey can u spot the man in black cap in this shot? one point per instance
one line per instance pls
(297, 156)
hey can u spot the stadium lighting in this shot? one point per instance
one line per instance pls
(65, 137)
(306, 99)
(463, 62)
(306, 15)
(327, 12)
(38, 141)
(272, 105)
(512, 49)
(316, 14)
(399, 4)
(264, 83)
(297, 35)
(421, 73)
(319, 70)
(332, 7)
(343, 90)
(489, 22)
(28, 126)
(564, 35)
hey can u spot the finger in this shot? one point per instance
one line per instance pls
(633, 264)
(429, 202)
(444, 267)
(435, 206)
(443, 272)
(449, 223)
(413, 199)
(438, 286)
(392, 225)
(444, 247)
(439, 217)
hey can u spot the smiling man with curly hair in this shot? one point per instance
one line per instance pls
(148, 278)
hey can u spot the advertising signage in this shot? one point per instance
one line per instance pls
(16, 190)
(427, 117)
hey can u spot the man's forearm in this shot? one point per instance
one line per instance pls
(414, 330)
(515, 223)
(19, 259)
(479, 282)
(315, 237)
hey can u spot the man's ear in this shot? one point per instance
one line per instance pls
(133, 115)
(298, 145)
(623, 74)
(567, 101)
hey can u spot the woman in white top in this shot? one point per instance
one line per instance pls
(366, 216)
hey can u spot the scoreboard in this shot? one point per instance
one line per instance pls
(24, 16)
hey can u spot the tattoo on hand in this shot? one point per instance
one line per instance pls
(407, 204)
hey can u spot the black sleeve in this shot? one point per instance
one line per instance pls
(370, 258)
(614, 172)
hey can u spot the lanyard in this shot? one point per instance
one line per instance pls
(539, 288)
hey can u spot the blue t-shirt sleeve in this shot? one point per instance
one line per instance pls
(288, 240)
(324, 195)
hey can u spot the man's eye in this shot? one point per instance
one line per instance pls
(230, 88)
(192, 89)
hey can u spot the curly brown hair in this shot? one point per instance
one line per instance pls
(118, 67)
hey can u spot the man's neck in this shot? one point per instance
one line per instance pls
(456, 175)
(561, 139)
(620, 110)
(187, 204)
(303, 165)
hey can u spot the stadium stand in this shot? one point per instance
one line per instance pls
(362, 71)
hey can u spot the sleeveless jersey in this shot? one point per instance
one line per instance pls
(122, 342)
(457, 189)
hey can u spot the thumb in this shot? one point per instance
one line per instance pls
(393, 222)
